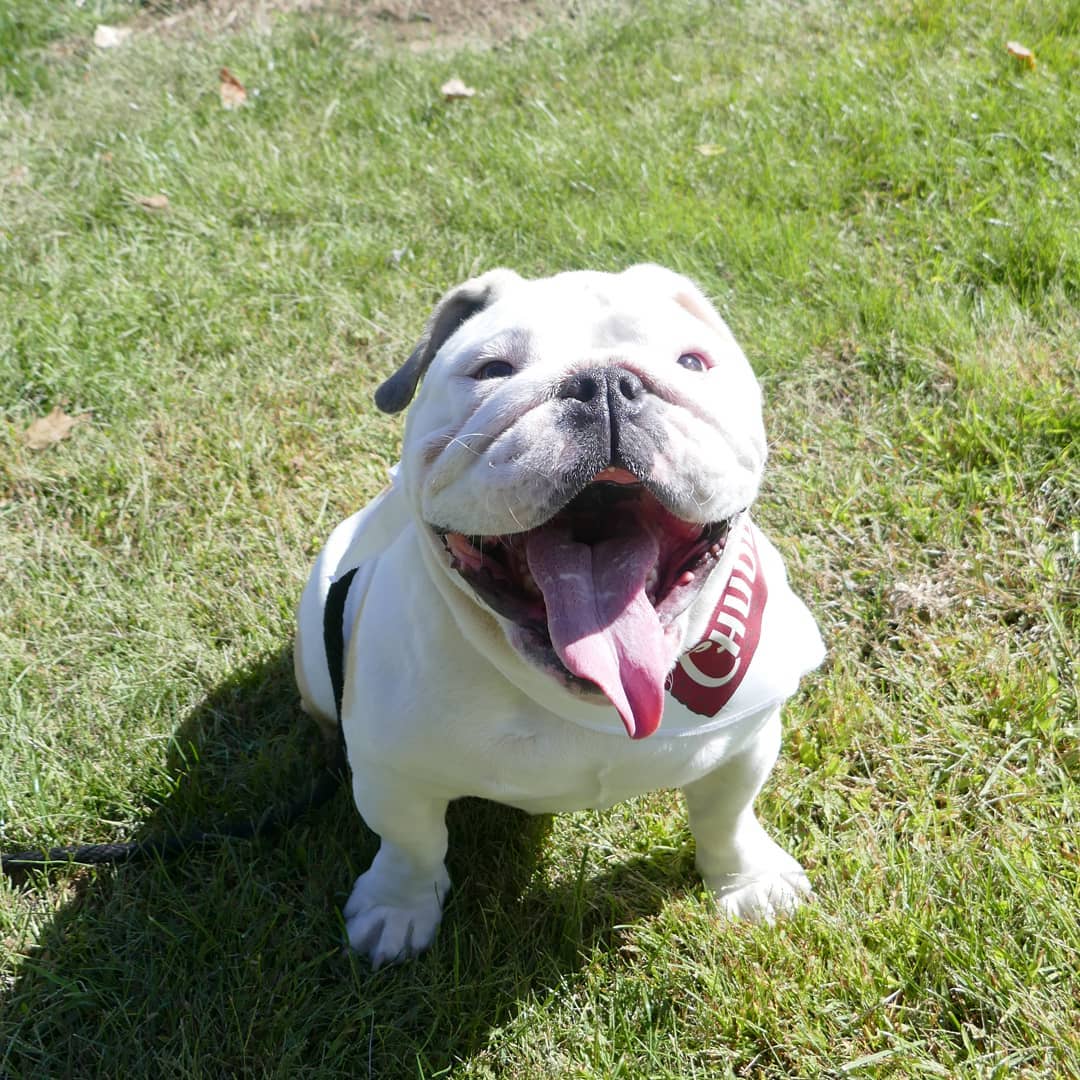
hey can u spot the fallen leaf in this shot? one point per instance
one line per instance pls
(233, 94)
(19, 175)
(454, 89)
(153, 202)
(710, 149)
(925, 598)
(108, 37)
(47, 430)
(1021, 52)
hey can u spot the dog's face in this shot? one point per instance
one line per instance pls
(576, 454)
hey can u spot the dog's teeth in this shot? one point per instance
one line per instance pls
(685, 578)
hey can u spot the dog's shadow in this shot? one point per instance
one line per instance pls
(229, 957)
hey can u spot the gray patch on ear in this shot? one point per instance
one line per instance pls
(456, 308)
(394, 394)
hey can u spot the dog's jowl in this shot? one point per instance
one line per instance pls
(561, 599)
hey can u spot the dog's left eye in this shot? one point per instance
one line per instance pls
(495, 369)
(692, 362)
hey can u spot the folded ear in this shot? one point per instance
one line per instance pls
(455, 308)
(659, 279)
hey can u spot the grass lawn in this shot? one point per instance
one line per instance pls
(884, 203)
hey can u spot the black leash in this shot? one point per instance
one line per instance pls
(271, 823)
(165, 847)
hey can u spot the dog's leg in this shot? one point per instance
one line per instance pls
(396, 904)
(751, 875)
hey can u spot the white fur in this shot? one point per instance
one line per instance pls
(438, 701)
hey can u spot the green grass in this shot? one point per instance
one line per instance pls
(888, 219)
(38, 39)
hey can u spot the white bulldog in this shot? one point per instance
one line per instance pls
(560, 600)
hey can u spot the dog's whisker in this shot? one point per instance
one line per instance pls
(460, 440)
(524, 466)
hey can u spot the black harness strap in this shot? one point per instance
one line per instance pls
(334, 634)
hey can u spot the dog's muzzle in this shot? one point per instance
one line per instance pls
(599, 585)
(610, 411)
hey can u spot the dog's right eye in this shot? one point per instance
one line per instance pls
(495, 369)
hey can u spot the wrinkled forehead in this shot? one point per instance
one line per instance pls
(583, 312)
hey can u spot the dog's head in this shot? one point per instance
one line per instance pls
(577, 453)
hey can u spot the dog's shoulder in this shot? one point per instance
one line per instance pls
(354, 545)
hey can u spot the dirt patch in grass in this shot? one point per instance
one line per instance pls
(417, 24)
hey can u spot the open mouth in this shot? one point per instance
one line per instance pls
(600, 584)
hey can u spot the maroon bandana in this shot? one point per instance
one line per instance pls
(707, 676)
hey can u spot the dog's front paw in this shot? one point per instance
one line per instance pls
(386, 926)
(762, 896)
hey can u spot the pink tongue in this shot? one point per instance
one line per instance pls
(601, 622)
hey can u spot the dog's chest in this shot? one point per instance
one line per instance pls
(543, 765)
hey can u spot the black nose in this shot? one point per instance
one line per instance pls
(607, 407)
(614, 385)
